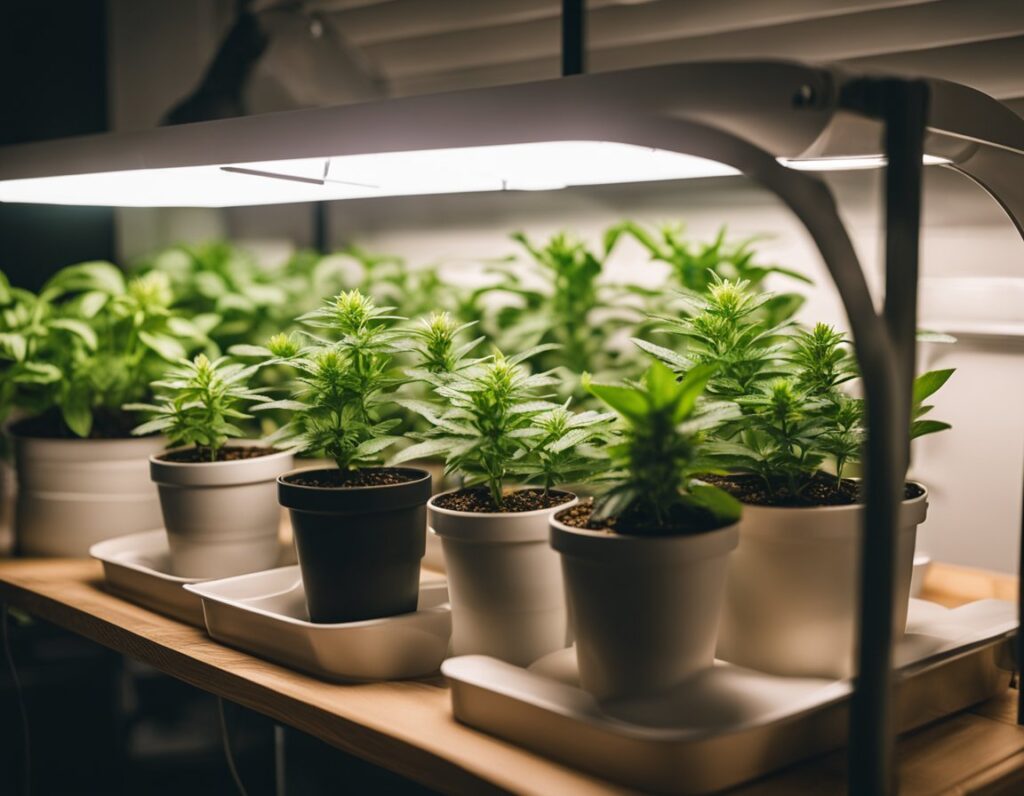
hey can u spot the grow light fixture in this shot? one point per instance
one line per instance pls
(545, 165)
(851, 163)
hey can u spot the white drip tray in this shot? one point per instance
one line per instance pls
(138, 568)
(728, 725)
(265, 613)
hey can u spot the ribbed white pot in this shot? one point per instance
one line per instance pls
(504, 582)
(73, 493)
(222, 518)
(792, 591)
(645, 609)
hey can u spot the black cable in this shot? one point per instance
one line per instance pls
(229, 756)
(22, 708)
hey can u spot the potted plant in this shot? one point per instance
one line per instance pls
(494, 425)
(645, 564)
(88, 343)
(791, 599)
(218, 496)
(359, 528)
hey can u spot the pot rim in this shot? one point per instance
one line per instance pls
(501, 514)
(353, 500)
(203, 475)
(589, 544)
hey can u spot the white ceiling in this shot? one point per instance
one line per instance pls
(418, 46)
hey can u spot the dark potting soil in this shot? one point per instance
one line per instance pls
(684, 522)
(105, 425)
(479, 500)
(229, 453)
(822, 490)
(339, 479)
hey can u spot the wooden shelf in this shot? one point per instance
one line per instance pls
(408, 727)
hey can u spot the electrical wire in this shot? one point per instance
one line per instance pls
(22, 708)
(226, 741)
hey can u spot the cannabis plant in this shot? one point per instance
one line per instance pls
(653, 466)
(795, 426)
(198, 403)
(481, 419)
(695, 266)
(724, 328)
(345, 380)
(564, 447)
(562, 300)
(437, 346)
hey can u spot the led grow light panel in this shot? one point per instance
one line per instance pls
(850, 163)
(548, 165)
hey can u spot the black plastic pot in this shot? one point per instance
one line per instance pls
(360, 547)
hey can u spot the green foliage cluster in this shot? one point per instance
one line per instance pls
(198, 403)
(493, 420)
(346, 378)
(652, 481)
(795, 416)
(88, 343)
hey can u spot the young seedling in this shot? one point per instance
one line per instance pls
(654, 466)
(695, 266)
(198, 404)
(724, 329)
(481, 419)
(794, 426)
(345, 380)
(564, 447)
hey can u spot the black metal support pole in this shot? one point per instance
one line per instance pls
(321, 227)
(902, 107)
(574, 37)
(1020, 625)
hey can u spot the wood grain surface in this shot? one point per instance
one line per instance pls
(408, 726)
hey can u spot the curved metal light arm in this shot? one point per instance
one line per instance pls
(886, 392)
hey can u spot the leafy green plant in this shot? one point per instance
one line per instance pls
(561, 300)
(225, 291)
(482, 418)
(564, 447)
(343, 384)
(198, 404)
(725, 328)
(696, 266)
(436, 344)
(654, 465)
(793, 426)
(87, 344)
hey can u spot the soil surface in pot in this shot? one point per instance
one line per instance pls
(338, 479)
(105, 425)
(636, 523)
(822, 490)
(229, 453)
(479, 501)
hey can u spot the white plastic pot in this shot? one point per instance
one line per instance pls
(645, 609)
(222, 518)
(73, 493)
(504, 582)
(792, 594)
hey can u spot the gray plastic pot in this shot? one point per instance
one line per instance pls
(222, 518)
(504, 581)
(792, 592)
(645, 609)
(73, 493)
(359, 548)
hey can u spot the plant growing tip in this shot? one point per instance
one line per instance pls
(198, 403)
(654, 464)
